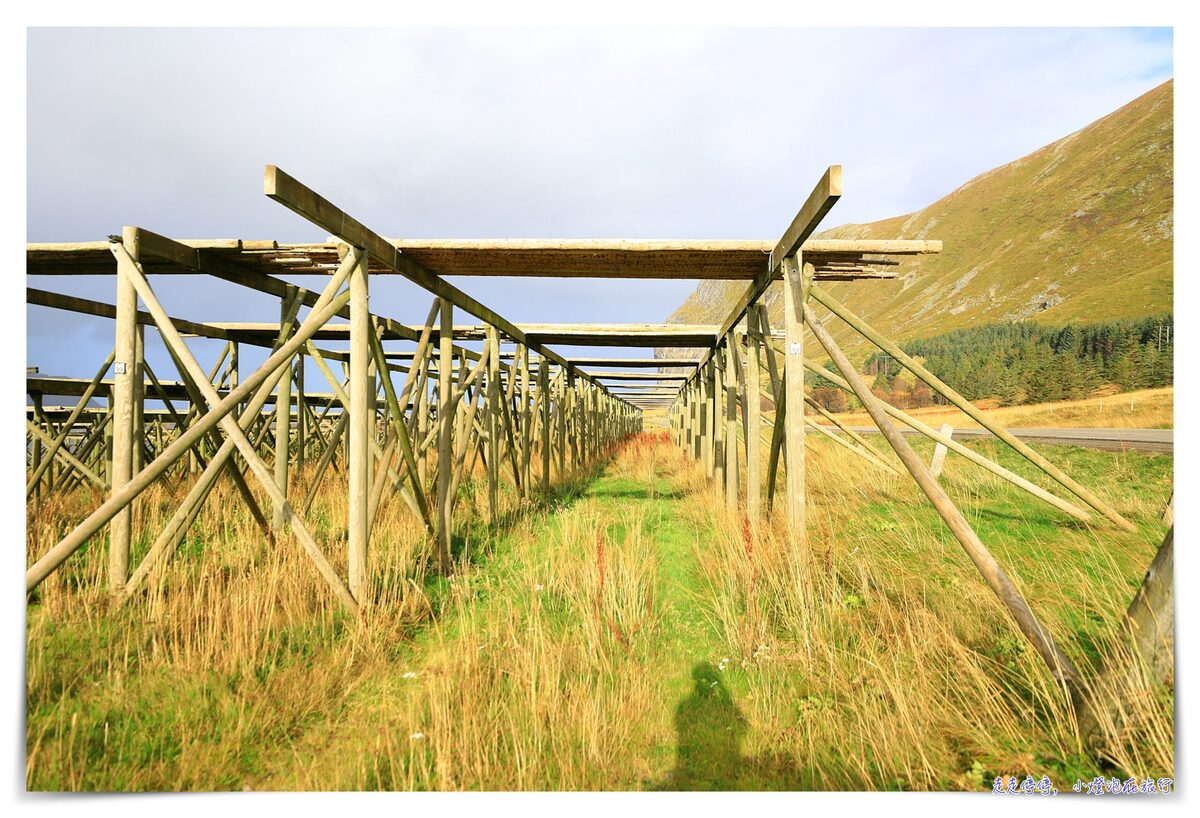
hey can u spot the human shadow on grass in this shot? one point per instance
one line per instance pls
(711, 729)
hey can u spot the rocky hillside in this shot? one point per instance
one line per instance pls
(1078, 230)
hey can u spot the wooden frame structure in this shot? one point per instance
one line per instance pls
(529, 414)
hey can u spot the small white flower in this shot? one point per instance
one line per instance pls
(724, 663)
(408, 674)
(416, 736)
(539, 587)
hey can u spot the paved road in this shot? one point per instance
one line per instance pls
(1112, 440)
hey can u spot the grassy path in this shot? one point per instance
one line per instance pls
(687, 729)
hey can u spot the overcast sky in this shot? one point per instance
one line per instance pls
(538, 133)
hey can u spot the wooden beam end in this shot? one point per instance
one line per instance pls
(833, 180)
(271, 174)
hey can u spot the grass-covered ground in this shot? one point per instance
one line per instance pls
(1143, 409)
(625, 634)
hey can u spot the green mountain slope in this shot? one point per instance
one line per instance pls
(1078, 230)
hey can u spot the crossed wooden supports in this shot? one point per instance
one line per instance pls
(456, 404)
(704, 416)
(461, 405)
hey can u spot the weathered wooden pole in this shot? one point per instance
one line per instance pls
(362, 431)
(523, 414)
(708, 381)
(560, 413)
(283, 423)
(139, 400)
(301, 419)
(733, 362)
(422, 412)
(544, 397)
(1060, 666)
(753, 421)
(125, 371)
(1145, 647)
(794, 293)
(445, 419)
(494, 421)
(718, 400)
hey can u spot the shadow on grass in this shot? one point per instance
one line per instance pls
(710, 729)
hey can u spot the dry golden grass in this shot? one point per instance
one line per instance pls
(564, 652)
(881, 658)
(1143, 409)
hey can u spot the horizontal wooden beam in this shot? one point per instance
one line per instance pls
(86, 306)
(547, 258)
(638, 376)
(635, 362)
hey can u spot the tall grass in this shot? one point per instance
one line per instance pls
(563, 651)
(880, 659)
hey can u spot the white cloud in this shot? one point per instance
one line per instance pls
(468, 133)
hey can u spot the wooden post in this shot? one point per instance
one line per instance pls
(718, 387)
(139, 400)
(445, 419)
(283, 433)
(301, 420)
(422, 412)
(939, 452)
(793, 376)
(753, 420)
(494, 421)
(733, 361)
(706, 419)
(560, 413)
(544, 398)
(1145, 648)
(362, 413)
(123, 395)
(523, 414)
